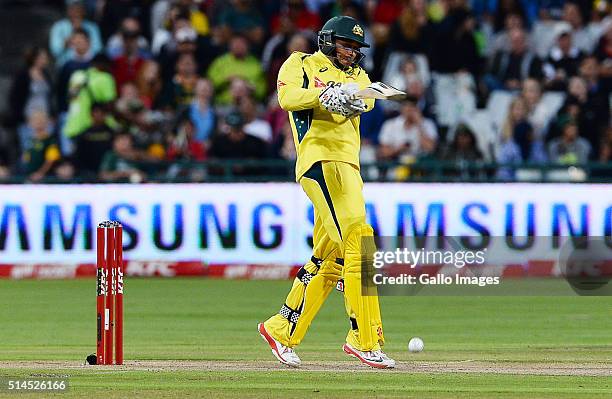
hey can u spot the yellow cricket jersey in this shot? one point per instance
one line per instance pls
(318, 134)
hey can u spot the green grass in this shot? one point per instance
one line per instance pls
(199, 319)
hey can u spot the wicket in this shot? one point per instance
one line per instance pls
(109, 298)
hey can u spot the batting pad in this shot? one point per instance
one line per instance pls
(362, 299)
(310, 289)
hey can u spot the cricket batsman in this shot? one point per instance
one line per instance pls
(316, 91)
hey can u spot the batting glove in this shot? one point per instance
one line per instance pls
(335, 100)
(356, 105)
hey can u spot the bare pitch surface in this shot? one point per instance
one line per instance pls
(407, 366)
(195, 337)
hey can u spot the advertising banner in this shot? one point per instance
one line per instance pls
(271, 223)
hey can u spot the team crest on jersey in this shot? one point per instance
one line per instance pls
(319, 83)
(357, 30)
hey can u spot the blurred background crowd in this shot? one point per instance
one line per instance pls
(128, 90)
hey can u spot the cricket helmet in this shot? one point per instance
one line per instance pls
(341, 27)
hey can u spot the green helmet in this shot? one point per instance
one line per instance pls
(342, 27)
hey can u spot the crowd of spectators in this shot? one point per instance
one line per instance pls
(129, 90)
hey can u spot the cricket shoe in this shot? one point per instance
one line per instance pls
(283, 353)
(377, 359)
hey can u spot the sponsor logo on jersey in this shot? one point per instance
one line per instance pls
(318, 82)
(280, 83)
(323, 69)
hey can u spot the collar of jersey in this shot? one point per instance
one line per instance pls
(322, 58)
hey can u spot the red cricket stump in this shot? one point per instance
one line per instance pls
(100, 294)
(109, 293)
(119, 304)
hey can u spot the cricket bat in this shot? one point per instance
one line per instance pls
(380, 91)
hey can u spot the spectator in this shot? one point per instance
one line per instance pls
(539, 113)
(276, 46)
(463, 148)
(604, 56)
(111, 14)
(201, 112)
(284, 146)
(93, 143)
(130, 31)
(295, 11)
(408, 72)
(30, 92)
(462, 151)
(121, 162)
(241, 17)
(164, 33)
(184, 145)
(605, 148)
(592, 111)
(60, 36)
(570, 148)
(589, 71)
(563, 61)
(79, 59)
(41, 157)
(551, 9)
(128, 62)
(570, 111)
(149, 84)
(278, 54)
(517, 142)
(506, 8)
(236, 144)
(408, 135)
(276, 116)
(597, 115)
(327, 9)
(583, 37)
(65, 171)
(95, 85)
(455, 48)
(197, 18)
(501, 40)
(179, 91)
(412, 31)
(237, 63)
(382, 13)
(238, 89)
(510, 67)
(183, 42)
(254, 125)
(411, 80)
(5, 172)
(139, 121)
(129, 101)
